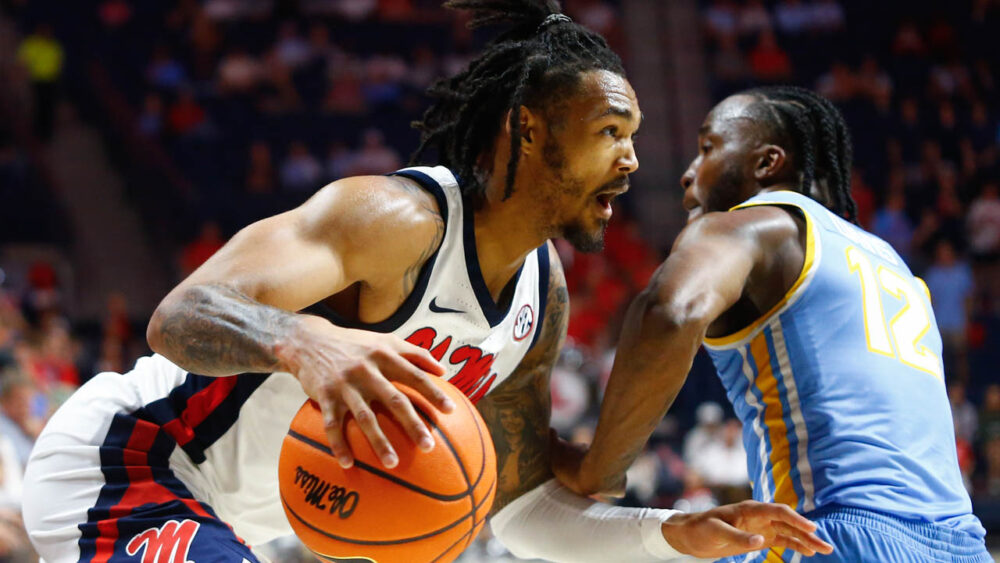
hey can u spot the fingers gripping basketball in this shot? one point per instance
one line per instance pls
(428, 508)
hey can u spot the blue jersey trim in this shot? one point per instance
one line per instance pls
(543, 289)
(411, 302)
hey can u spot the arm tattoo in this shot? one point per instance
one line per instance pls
(216, 330)
(517, 412)
(428, 204)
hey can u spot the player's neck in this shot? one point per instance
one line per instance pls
(506, 232)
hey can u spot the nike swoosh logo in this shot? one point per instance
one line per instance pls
(438, 309)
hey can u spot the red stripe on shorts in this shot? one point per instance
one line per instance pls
(199, 406)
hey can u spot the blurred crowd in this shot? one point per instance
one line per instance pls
(256, 103)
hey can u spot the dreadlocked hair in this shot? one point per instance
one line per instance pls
(531, 64)
(814, 131)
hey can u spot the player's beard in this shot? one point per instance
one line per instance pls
(575, 232)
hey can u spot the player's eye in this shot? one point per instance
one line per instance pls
(705, 147)
(610, 130)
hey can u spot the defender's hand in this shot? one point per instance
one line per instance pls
(740, 528)
(567, 458)
(345, 370)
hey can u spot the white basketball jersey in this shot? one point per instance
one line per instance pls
(223, 435)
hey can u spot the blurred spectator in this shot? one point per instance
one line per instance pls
(11, 476)
(950, 282)
(291, 50)
(18, 421)
(708, 425)
(729, 65)
(42, 55)
(43, 298)
(722, 18)
(722, 463)
(893, 225)
(909, 132)
(186, 116)
(768, 61)
(984, 223)
(792, 17)
(345, 94)
(164, 71)
(872, 81)
(239, 73)
(395, 10)
(261, 178)
(696, 496)
(384, 75)
(300, 171)
(354, 10)
(962, 412)
(374, 157)
(199, 250)
(597, 15)
(424, 68)
(339, 160)
(114, 13)
(989, 436)
(231, 10)
(838, 84)
(754, 18)
(826, 16)
(112, 356)
(54, 365)
(116, 322)
(570, 392)
(151, 119)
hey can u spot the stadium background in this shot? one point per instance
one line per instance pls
(135, 137)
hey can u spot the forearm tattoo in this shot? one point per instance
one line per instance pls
(217, 330)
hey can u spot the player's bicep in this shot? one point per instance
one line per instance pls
(347, 232)
(707, 270)
(276, 261)
(517, 412)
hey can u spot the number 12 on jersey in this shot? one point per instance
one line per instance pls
(907, 327)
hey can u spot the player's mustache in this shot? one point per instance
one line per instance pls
(617, 184)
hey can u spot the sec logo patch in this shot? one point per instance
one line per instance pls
(523, 323)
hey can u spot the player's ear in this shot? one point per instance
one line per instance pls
(770, 162)
(530, 123)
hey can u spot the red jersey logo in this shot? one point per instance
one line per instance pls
(475, 377)
(169, 543)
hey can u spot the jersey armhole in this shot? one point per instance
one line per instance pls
(794, 292)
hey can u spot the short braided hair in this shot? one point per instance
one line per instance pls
(535, 62)
(811, 128)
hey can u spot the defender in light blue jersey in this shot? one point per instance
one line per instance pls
(824, 340)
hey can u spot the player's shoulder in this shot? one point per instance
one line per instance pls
(762, 223)
(377, 213)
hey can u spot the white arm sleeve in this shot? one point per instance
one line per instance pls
(553, 523)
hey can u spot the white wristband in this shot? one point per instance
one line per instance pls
(553, 523)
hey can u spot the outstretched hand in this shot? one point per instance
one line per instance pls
(741, 528)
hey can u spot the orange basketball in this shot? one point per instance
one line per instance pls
(430, 507)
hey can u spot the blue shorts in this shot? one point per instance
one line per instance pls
(862, 536)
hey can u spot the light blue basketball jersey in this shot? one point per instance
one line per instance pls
(840, 386)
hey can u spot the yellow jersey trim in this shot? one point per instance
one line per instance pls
(808, 268)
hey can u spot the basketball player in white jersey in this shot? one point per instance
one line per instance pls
(179, 456)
